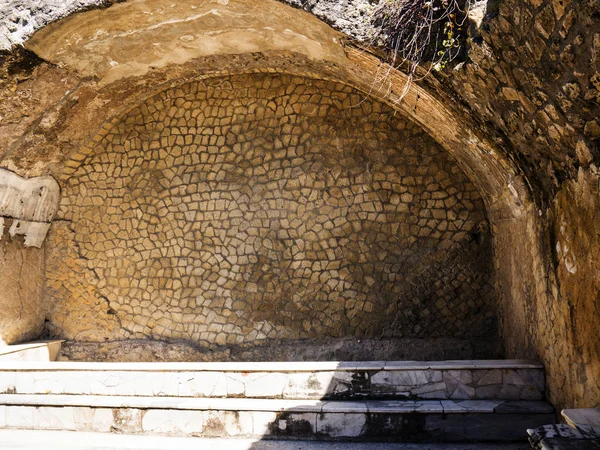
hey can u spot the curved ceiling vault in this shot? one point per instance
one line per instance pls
(139, 39)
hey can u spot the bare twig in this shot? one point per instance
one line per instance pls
(420, 34)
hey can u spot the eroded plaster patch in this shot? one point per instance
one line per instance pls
(33, 202)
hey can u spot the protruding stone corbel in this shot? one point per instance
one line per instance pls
(32, 204)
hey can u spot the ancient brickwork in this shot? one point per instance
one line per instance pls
(257, 207)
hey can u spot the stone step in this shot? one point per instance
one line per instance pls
(453, 380)
(395, 420)
(31, 351)
(585, 420)
(73, 440)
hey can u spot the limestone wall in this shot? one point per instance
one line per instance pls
(575, 307)
(22, 280)
(255, 207)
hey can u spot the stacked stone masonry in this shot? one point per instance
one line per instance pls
(255, 207)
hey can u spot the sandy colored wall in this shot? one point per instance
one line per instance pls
(574, 354)
(257, 207)
(531, 83)
(22, 279)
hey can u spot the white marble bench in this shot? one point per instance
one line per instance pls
(441, 380)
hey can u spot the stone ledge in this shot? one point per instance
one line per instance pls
(31, 352)
(585, 420)
(277, 405)
(337, 381)
(279, 366)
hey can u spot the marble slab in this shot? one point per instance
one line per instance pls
(586, 420)
(395, 420)
(271, 366)
(294, 381)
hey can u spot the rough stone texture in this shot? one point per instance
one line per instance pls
(575, 311)
(22, 280)
(20, 19)
(324, 349)
(531, 84)
(32, 202)
(350, 17)
(268, 207)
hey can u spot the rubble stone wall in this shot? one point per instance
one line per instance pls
(254, 207)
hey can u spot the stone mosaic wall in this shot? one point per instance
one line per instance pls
(257, 207)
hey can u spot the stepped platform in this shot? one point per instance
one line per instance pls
(70, 440)
(453, 380)
(397, 401)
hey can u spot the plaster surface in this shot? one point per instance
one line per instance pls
(22, 280)
(130, 39)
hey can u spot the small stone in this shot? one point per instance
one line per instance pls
(592, 129)
(544, 22)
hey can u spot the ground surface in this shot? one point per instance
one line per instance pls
(79, 441)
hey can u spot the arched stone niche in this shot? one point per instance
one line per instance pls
(104, 84)
(253, 207)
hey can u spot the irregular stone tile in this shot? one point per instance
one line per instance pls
(266, 385)
(125, 420)
(199, 214)
(341, 424)
(490, 392)
(173, 422)
(208, 384)
(487, 377)
(294, 424)
(462, 392)
(312, 385)
(102, 420)
(510, 392)
(7, 381)
(429, 388)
